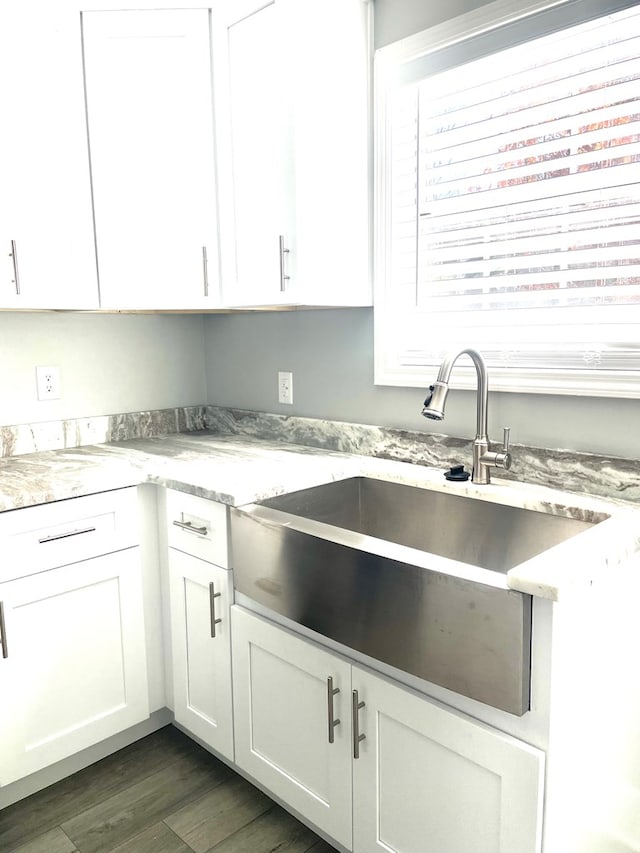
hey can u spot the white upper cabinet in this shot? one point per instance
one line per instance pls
(228, 155)
(149, 94)
(292, 81)
(262, 196)
(47, 256)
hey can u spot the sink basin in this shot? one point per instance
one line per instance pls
(492, 536)
(410, 576)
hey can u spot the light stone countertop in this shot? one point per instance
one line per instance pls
(237, 470)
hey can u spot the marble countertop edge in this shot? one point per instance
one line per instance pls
(238, 470)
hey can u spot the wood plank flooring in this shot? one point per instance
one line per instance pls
(163, 794)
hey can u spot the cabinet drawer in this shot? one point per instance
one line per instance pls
(198, 527)
(49, 535)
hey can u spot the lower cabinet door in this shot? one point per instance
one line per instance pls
(73, 670)
(283, 706)
(200, 596)
(430, 780)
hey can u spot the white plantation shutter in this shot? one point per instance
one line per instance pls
(512, 213)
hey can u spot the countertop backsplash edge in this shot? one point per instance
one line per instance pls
(567, 470)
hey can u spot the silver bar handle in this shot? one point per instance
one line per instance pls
(356, 705)
(332, 721)
(283, 251)
(187, 525)
(54, 537)
(3, 633)
(16, 275)
(205, 270)
(212, 609)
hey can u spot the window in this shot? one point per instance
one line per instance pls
(509, 198)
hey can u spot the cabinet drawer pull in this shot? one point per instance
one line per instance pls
(357, 737)
(56, 536)
(283, 277)
(3, 632)
(332, 721)
(186, 525)
(212, 609)
(16, 275)
(205, 270)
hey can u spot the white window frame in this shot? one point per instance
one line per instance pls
(391, 63)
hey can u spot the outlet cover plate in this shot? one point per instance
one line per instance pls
(285, 387)
(48, 382)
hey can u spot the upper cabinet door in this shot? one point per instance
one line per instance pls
(47, 257)
(293, 84)
(260, 192)
(149, 94)
(330, 41)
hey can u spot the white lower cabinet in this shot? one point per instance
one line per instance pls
(280, 690)
(368, 762)
(200, 594)
(73, 670)
(403, 773)
(431, 780)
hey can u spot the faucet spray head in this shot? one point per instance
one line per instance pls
(435, 400)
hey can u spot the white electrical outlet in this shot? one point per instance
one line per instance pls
(48, 383)
(285, 387)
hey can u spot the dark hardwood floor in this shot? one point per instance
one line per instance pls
(163, 794)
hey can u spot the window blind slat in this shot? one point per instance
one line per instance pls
(564, 185)
(614, 117)
(602, 276)
(550, 152)
(538, 296)
(585, 88)
(557, 56)
(623, 154)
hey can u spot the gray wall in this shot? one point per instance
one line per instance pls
(109, 363)
(331, 356)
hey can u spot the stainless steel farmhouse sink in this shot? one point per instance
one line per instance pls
(413, 577)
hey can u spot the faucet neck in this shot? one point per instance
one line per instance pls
(482, 397)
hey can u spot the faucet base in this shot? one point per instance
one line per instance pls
(481, 466)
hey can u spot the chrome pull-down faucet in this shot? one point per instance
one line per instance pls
(483, 457)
